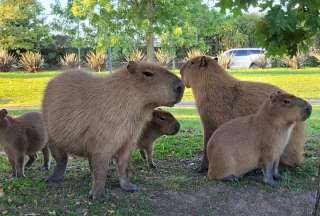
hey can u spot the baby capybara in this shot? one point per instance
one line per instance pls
(23, 136)
(257, 140)
(162, 123)
(101, 118)
(220, 97)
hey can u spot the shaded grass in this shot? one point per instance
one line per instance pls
(25, 90)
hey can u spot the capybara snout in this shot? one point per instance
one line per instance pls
(3, 113)
(179, 89)
(307, 110)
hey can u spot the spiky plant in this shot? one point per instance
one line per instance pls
(224, 60)
(7, 61)
(293, 62)
(31, 61)
(69, 60)
(96, 60)
(163, 57)
(194, 53)
(136, 55)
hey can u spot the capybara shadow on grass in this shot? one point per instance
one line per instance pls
(21, 136)
(257, 140)
(101, 118)
(162, 123)
(220, 97)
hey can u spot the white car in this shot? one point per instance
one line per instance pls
(247, 58)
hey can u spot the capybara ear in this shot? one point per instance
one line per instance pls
(273, 96)
(3, 113)
(203, 61)
(132, 66)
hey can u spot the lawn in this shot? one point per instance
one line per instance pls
(174, 188)
(26, 90)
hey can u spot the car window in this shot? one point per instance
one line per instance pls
(251, 52)
(240, 52)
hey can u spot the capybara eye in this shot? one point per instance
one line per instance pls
(148, 74)
(161, 118)
(192, 62)
(286, 101)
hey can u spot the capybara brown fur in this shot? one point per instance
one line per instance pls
(162, 123)
(257, 140)
(220, 97)
(25, 135)
(102, 118)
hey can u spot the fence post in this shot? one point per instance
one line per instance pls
(110, 59)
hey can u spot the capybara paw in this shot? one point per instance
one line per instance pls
(45, 168)
(152, 165)
(277, 177)
(129, 187)
(271, 183)
(18, 175)
(54, 179)
(97, 196)
(231, 178)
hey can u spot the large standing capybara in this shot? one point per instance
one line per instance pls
(257, 140)
(23, 136)
(101, 118)
(162, 123)
(220, 97)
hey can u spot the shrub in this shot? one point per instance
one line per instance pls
(96, 61)
(163, 57)
(261, 62)
(136, 55)
(224, 60)
(7, 60)
(69, 60)
(293, 62)
(194, 53)
(31, 61)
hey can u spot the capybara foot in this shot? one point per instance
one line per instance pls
(277, 177)
(231, 178)
(97, 196)
(128, 187)
(270, 182)
(18, 175)
(45, 168)
(152, 165)
(54, 179)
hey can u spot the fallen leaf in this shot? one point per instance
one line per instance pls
(1, 192)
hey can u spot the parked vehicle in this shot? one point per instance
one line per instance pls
(248, 58)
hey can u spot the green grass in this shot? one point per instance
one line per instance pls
(25, 90)
(174, 154)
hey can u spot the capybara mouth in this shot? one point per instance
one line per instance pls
(175, 129)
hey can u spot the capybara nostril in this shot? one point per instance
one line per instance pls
(179, 89)
(308, 109)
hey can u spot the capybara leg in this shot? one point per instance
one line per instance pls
(90, 165)
(46, 158)
(208, 130)
(143, 155)
(20, 165)
(276, 174)
(99, 164)
(293, 155)
(122, 165)
(231, 178)
(150, 157)
(13, 164)
(61, 159)
(31, 160)
(268, 174)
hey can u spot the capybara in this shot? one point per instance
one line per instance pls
(257, 140)
(102, 118)
(220, 97)
(162, 123)
(23, 136)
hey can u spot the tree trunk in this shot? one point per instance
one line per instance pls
(150, 31)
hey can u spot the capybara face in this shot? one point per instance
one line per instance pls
(193, 67)
(165, 122)
(157, 85)
(290, 107)
(4, 122)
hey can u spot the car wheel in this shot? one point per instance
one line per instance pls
(253, 65)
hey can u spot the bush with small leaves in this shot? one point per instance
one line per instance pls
(31, 61)
(96, 60)
(7, 61)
